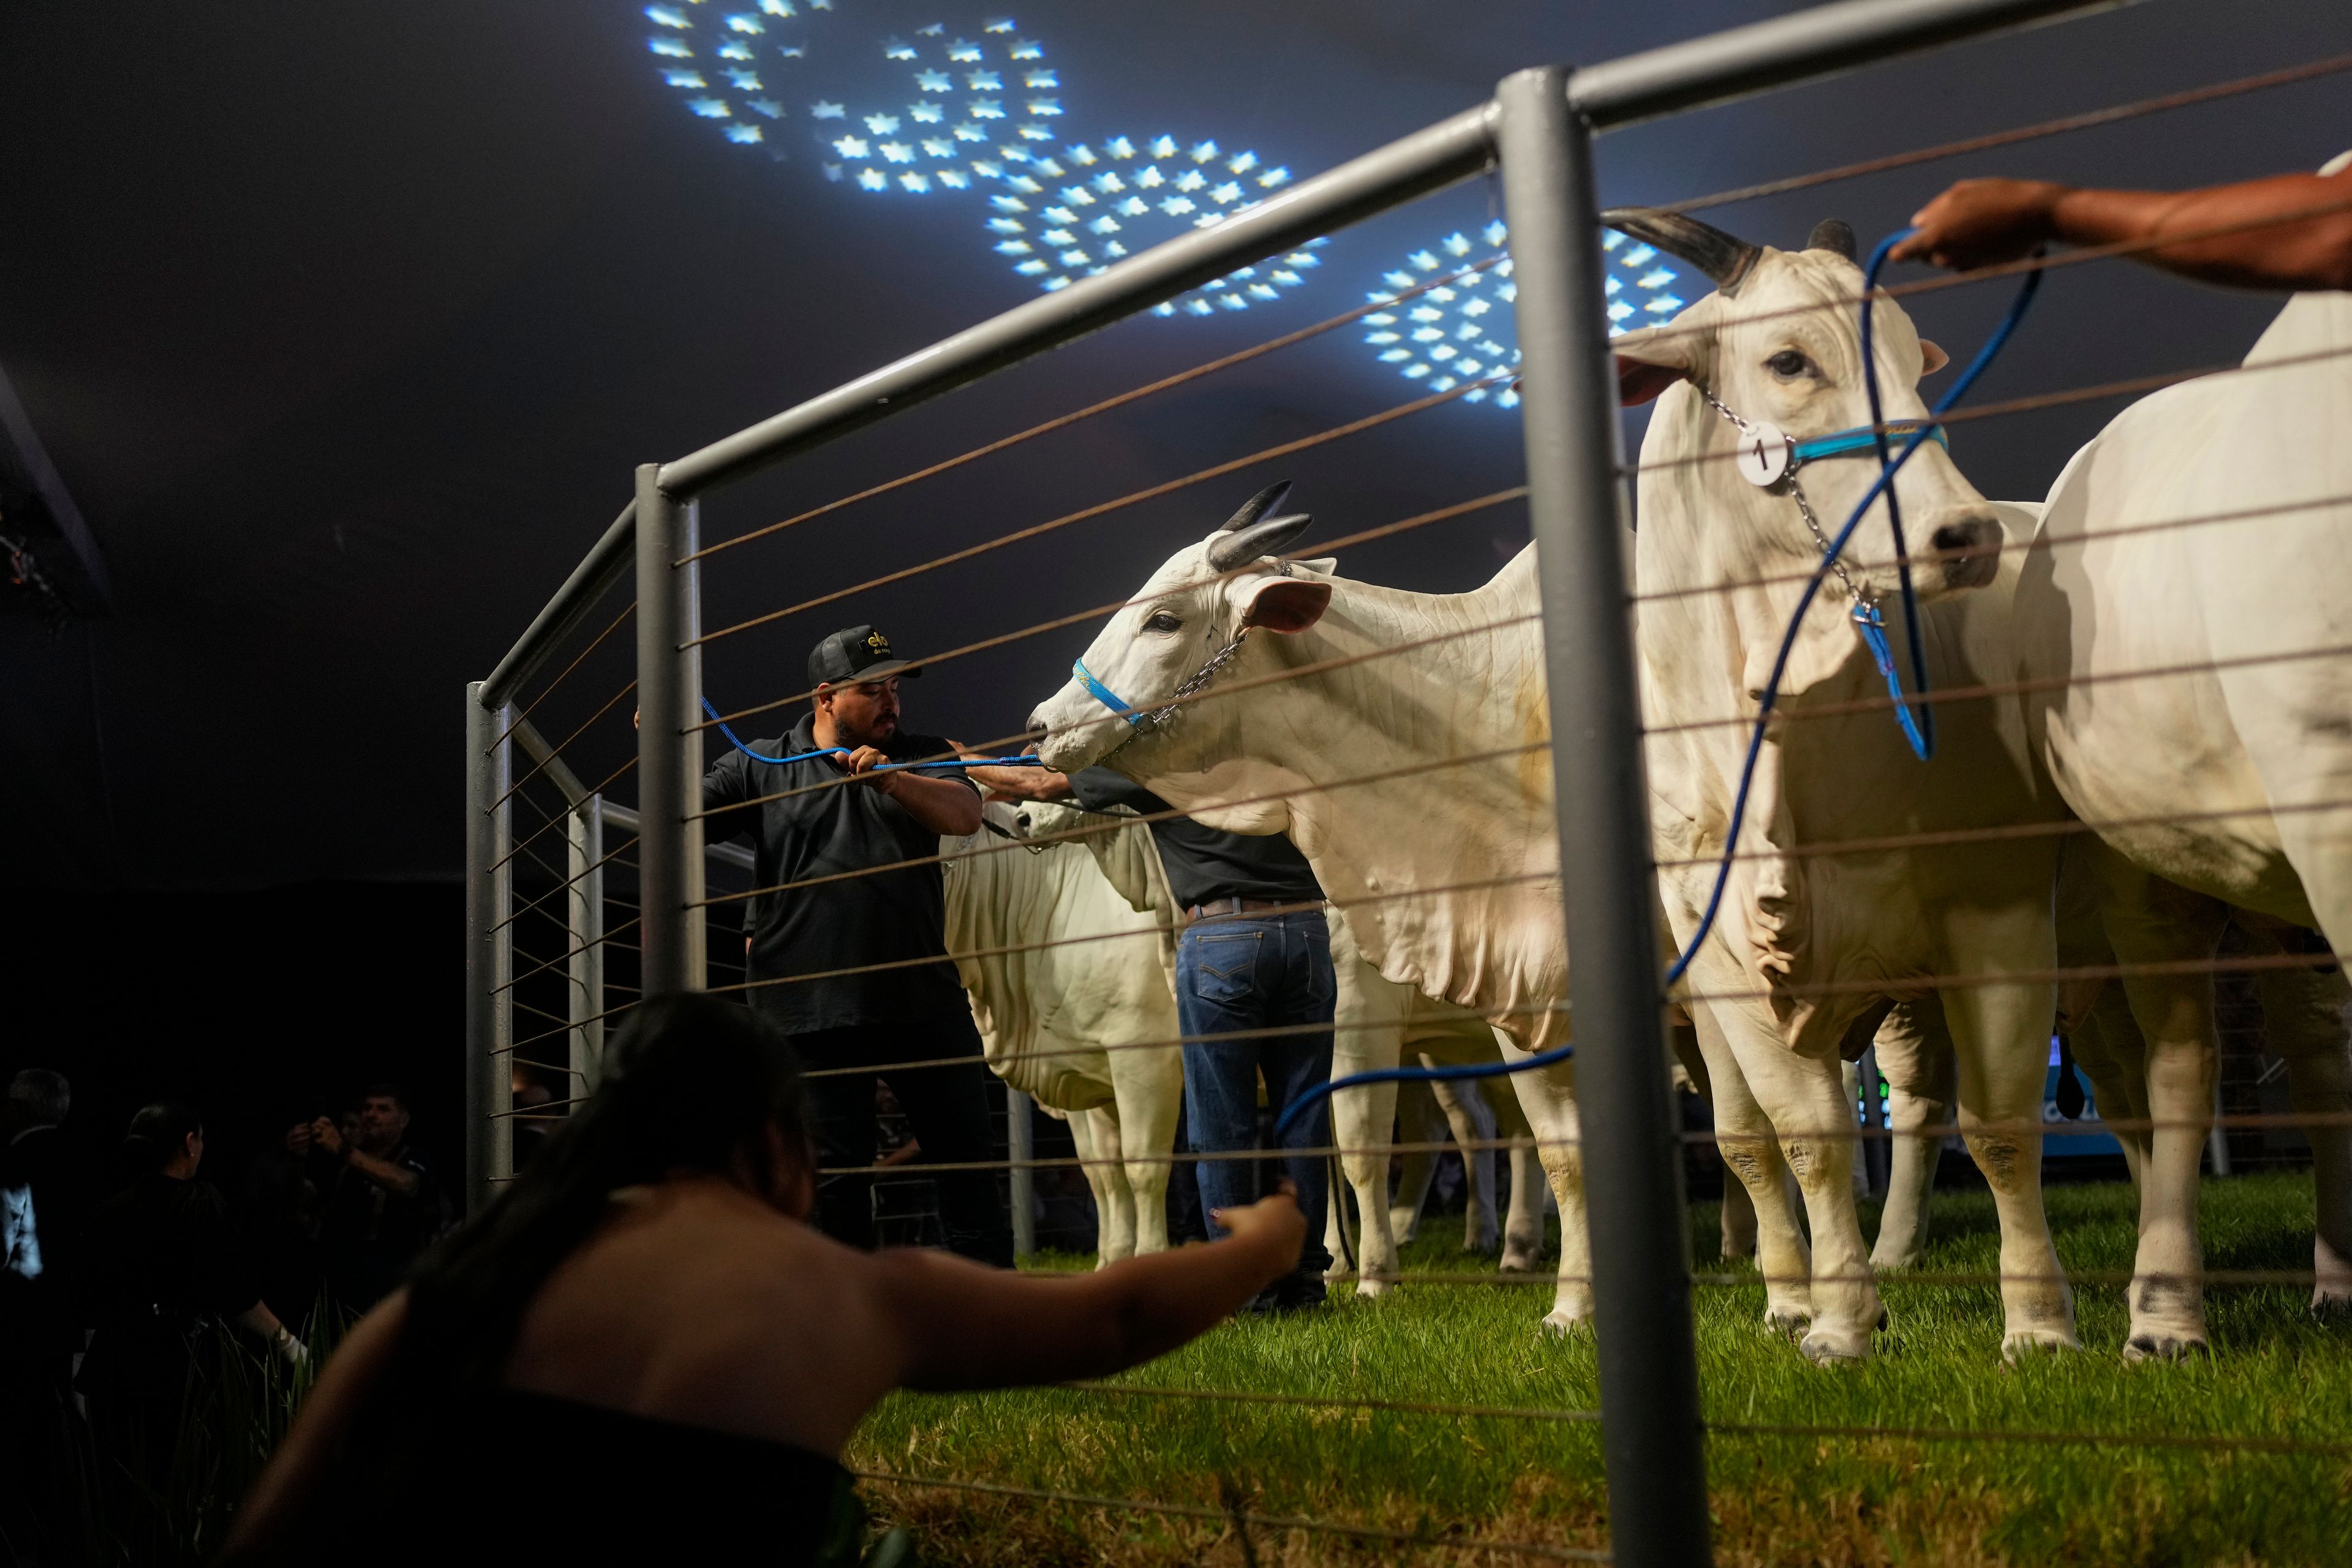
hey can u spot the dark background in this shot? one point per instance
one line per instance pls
(346, 325)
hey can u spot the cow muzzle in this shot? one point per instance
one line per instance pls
(1968, 541)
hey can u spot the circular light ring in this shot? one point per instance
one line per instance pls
(1464, 329)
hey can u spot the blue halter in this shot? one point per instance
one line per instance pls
(1105, 695)
(1861, 438)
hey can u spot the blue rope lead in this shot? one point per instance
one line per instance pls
(736, 741)
(1884, 656)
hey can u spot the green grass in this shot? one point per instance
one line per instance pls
(2277, 1374)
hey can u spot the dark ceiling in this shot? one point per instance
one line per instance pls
(346, 325)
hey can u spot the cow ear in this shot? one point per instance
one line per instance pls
(1932, 357)
(1284, 605)
(1650, 362)
(1824, 642)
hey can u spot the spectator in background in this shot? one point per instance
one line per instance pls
(381, 1204)
(160, 1266)
(44, 1203)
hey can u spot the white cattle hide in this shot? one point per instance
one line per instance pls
(1806, 942)
(1061, 1022)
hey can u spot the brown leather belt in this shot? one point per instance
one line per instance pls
(1216, 907)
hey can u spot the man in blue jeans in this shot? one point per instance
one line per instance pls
(1254, 993)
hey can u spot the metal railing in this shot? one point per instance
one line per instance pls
(1537, 133)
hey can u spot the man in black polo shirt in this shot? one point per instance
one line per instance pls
(854, 966)
(1255, 956)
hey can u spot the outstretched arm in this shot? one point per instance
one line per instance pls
(1021, 783)
(965, 1326)
(2285, 232)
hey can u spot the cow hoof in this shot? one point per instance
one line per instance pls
(1826, 1347)
(1788, 1324)
(1562, 1324)
(1519, 1262)
(2018, 1345)
(1895, 1261)
(1374, 1289)
(2334, 1306)
(2165, 1347)
(1403, 1223)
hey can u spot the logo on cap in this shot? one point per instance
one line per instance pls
(877, 642)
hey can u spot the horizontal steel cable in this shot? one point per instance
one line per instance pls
(2000, 1434)
(523, 1007)
(1222, 689)
(556, 751)
(2021, 547)
(2103, 1279)
(547, 1109)
(1077, 617)
(2089, 120)
(598, 788)
(1323, 1401)
(549, 1067)
(2155, 381)
(548, 689)
(552, 1033)
(592, 867)
(1921, 983)
(1847, 708)
(1135, 394)
(1303, 907)
(1100, 508)
(1241, 1516)
(566, 957)
(1856, 1133)
(2059, 829)
(1110, 1047)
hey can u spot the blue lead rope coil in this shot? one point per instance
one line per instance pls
(736, 741)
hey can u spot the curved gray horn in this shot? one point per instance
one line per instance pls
(1257, 506)
(1227, 551)
(1726, 258)
(1833, 234)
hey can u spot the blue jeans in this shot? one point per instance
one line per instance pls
(1256, 972)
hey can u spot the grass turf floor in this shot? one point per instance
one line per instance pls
(1457, 1479)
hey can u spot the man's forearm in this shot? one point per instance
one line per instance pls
(943, 806)
(392, 1178)
(2292, 231)
(1023, 783)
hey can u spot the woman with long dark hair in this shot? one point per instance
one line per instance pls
(642, 1352)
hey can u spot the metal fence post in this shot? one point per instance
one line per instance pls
(1021, 1146)
(490, 949)
(670, 918)
(1641, 1244)
(586, 926)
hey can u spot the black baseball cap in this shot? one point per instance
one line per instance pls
(855, 654)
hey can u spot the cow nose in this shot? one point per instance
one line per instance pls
(1038, 728)
(1969, 538)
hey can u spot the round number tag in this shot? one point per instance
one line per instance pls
(1765, 453)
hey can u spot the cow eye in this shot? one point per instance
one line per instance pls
(1163, 623)
(1789, 364)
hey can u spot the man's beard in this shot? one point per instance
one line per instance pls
(874, 735)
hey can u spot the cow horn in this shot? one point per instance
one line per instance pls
(1257, 506)
(1833, 234)
(1227, 551)
(1726, 258)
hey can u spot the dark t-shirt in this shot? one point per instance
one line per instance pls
(854, 922)
(370, 1234)
(157, 1258)
(1202, 863)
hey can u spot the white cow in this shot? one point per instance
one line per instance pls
(1063, 1022)
(1376, 1023)
(1810, 941)
(2227, 776)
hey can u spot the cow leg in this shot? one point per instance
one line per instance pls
(1736, 1216)
(2152, 921)
(1096, 1133)
(1148, 1089)
(2307, 1016)
(1914, 1054)
(1523, 1222)
(2113, 1054)
(1548, 1096)
(1473, 1126)
(1417, 1124)
(1751, 1158)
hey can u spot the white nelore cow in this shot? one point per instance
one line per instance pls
(1070, 988)
(1446, 874)
(1813, 936)
(1377, 1023)
(2186, 612)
